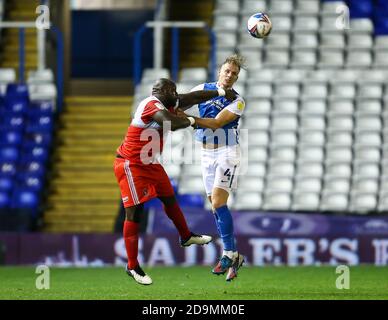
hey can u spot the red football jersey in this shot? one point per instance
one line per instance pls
(144, 139)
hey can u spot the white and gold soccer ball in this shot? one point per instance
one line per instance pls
(259, 25)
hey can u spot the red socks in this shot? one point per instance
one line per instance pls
(131, 239)
(174, 212)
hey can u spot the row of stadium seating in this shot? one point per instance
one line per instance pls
(308, 37)
(373, 9)
(316, 110)
(27, 123)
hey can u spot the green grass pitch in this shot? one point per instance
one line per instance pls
(186, 283)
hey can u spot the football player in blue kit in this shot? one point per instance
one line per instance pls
(217, 130)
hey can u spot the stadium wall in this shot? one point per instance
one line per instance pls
(265, 239)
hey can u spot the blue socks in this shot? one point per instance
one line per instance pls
(224, 224)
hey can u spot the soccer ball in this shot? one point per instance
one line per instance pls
(259, 25)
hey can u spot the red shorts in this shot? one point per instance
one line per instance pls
(140, 183)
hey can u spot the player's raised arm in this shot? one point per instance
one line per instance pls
(175, 121)
(222, 119)
(187, 100)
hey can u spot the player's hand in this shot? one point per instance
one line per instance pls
(180, 113)
(230, 95)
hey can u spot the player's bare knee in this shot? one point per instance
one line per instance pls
(218, 203)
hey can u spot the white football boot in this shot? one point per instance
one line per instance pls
(139, 275)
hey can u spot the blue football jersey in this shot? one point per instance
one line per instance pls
(227, 135)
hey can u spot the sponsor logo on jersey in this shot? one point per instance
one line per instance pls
(240, 105)
(125, 199)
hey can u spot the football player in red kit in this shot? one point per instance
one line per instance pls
(141, 177)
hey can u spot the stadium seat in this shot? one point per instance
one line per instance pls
(260, 123)
(310, 153)
(23, 198)
(4, 200)
(251, 184)
(359, 59)
(256, 169)
(257, 154)
(10, 138)
(336, 184)
(305, 40)
(285, 123)
(334, 202)
(332, 41)
(284, 138)
(6, 184)
(225, 23)
(365, 185)
(193, 185)
(306, 23)
(191, 200)
(312, 123)
(360, 41)
(311, 137)
(281, 22)
(361, 202)
(309, 184)
(278, 184)
(361, 26)
(305, 201)
(9, 154)
(193, 74)
(313, 105)
(151, 75)
(281, 168)
(307, 168)
(340, 138)
(282, 153)
(249, 6)
(258, 138)
(40, 76)
(226, 6)
(307, 7)
(330, 59)
(277, 201)
(247, 201)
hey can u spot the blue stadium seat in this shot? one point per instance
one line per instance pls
(360, 8)
(6, 184)
(9, 154)
(10, 138)
(40, 124)
(7, 169)
(4, 200)
(381, 23)
(191, 200)
(24, 199)
(42, 107)
(31, 182)
(38, 154)
(33, 167)
(16, 106)
(17, 90)
(37, 139)
(12, 122)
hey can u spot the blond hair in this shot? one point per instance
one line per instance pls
(236, 59)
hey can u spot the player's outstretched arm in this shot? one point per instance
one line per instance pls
(175, 121)
(187, 100)
(222, 119)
